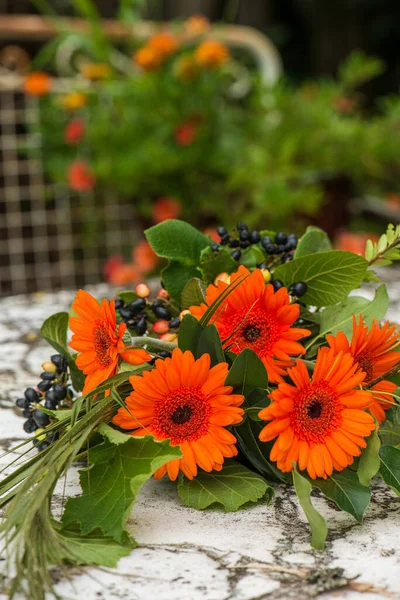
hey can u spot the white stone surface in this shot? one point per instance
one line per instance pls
(260, 552)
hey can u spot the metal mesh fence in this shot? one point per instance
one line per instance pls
(49, 237)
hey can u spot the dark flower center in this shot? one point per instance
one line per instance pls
(102, 342)
(251, 333)
(314, 410)
(182, 415)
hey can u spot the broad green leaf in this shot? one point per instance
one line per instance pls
(247, 435)
(314, 240)
(330, 276)
(210, 343)
(214, 263)
(390, 467)
(339, 317)
(175, 277)
(127, 296)
(110, 485)
(193, 293)
(317, 522)
(232, 487)
(256, 401)
(247, 373)
(54, 331)
(177, 241)
(369, 460)
(190, 331)
(251, 257)
(91, 549)
(389, 432)
(344, 488)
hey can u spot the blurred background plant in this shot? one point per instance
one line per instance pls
(183, 126)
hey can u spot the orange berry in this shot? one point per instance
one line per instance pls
(143, 290)
(225, 277)
(163, 294)
(183, 313)
(168, 337)
(161, 327)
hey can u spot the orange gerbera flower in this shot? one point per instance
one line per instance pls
(211, 53)
(99, 341)
(74, 101)
(320, 423)
(254, 316)
(165, 208)
(375, 354)
(147, 58)
(163, 43)
(185, 401)
(96, 71)
(37, 84)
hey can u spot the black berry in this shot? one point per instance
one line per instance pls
(233, 243)
(241, 226)
(277, 284)
(31, 395)
(280, 238)
(300, 288)
(43, 386)
(164, 354)
(141, 326)
(224, 240)
(162, 313)
(266, 241)
(215, 247)
(245, 244)
(270, 249)
(125, 312)
(221, 231)
(59, 391)
(174, 323)
(46, 376)
(40, 418)
(43, 445)
(136, 306)
(119, 303)
(244, 235)
(236, 254)
(22, 403)
(255, 237)
(280, 249)
(30, 426)
(26, 413)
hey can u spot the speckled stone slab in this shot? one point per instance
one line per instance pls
(259, 552)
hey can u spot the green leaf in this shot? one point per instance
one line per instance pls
(251, 257)
(91, 549)
(127, 296)
(317, 522)
(190, 331)
(339, 317)
(247, 435)
(389, 432)
(177, 241)
(210, 343)
(54, 331)
(193, 293)
(314, 240)
(176, 276)
(232, 487)
(247, 373)
(110, 485)
(390, 467)
(344, 488)
(214, 263)
(330, 276)
(369, 463)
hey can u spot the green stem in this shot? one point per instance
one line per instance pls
(139, 342)
(382, 254)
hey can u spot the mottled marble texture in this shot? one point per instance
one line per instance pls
(259, 552)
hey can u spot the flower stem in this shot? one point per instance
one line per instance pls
(138, 342)
(392, 371)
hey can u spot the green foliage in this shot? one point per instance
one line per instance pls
(359, 68)
(314, 240)
(317, 522)
(177, 241)
(193, 294)
(175, 277)
(339, 317)
(386, 249)
(214, 263)
(247, 373)
(232, 488)
(390, 467)
(330, 276)
(344, 488)
(369, 462)
(117, 470)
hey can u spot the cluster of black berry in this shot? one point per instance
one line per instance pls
(283, 244)
(53, 391)
(140, 315)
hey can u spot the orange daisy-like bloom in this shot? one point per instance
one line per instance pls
(96, 71)
(320, 423)
(197, 25)
(187, 402)
(74, 101)
(163, 43)
(37, 84)
(254, 316)
(99, 341)
(148, 58)
(211, 53)
(374, 352)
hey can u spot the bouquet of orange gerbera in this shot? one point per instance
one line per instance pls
(252, 366)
